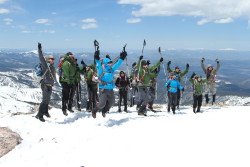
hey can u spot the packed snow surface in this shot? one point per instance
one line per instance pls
(219, 136)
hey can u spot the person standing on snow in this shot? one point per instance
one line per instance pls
(133, 81)
(105, 72)
(123, 85)
(144, 84)
(79, 71)
(49, 78)
(152, 90)
(92, 86)
(68, 81)
(197, 84)
(210, 72)
(172, 87)
(179, 76)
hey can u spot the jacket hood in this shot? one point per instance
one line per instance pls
(106, 61)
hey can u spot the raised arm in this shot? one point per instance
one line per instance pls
(41, 57)
(202, 65)
(218, 66)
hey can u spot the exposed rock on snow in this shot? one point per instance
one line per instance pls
(8, 140)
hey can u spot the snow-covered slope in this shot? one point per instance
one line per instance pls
(216, 137)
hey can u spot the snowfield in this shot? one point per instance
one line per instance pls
(217, 137)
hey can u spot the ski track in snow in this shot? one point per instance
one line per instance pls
(218, 136)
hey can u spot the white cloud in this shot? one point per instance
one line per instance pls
(89, 26)
(42, 21)
(48, 31)
(228, 49)
(54, 13)
(227, 20)
(4, 11)
(26, 32)
(2, 1)
(133, 20)
(89, 20)
(8, 21)
(217, 11)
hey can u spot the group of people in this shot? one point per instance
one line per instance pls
(99, 79)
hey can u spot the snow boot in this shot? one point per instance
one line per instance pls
(40, 118)
(173, 109)
(119, 110)
(168, 108)
(151, 108)
(103, 114)
(213, 99)
(199, 109)
(46, 112)
(125, 109)
(93, 114)
(141, 110)
(207, 99)
(194, 110)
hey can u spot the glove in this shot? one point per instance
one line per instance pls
(141, 57)
(182, 89)
(39, 46)
(161, 59)
(187, 66)
(192, 76)
(217, 60)
(123, 55)
(169, 63)
(107, 56)
(202, 60)
(97, 55)
(82, 62)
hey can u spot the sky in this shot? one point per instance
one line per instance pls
(171, 24)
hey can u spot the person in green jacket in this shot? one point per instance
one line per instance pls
(179, 76)
(68, 80)
(197, 85)
(152, 91)
(91, 80)
(144, 75)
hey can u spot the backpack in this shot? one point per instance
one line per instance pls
(38, 73)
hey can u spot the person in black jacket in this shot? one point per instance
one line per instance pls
(49, 78)
(123, 84)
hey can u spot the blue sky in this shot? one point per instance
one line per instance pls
(171, 24)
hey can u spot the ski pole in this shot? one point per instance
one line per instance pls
(144, 44)
(164, 70)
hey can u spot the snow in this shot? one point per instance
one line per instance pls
(219, 136)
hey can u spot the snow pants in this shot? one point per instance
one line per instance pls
(106, 100)
(123, 95)
(92, 97)
(78, 95)
(67, 95)
(210, 87)
(197, 100)
(152, 93)
(172, 101)
(46, 95)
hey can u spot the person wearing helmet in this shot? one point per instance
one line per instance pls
(123, 85)
(210, 72)
(179, 76)
(105, 71)
(197, 85)
(144, 83)
(173, 85)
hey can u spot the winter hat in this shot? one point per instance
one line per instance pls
(122, 72)
(134, 64)
(69, 53)
(177, 67)
(143, 62)
(209, 65)
(50, 57)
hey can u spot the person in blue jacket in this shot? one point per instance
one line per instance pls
(172, 87)
(105, 70)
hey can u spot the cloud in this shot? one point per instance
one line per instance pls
(133, 20)
(4, 11)
(2, 1)
(227, 20)
(26, 32)
(8, 21)
(223, 11)
(90, 23)
(48, 31)
(54, 13)
(89, 26)
(89, 20)
(42, 21)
